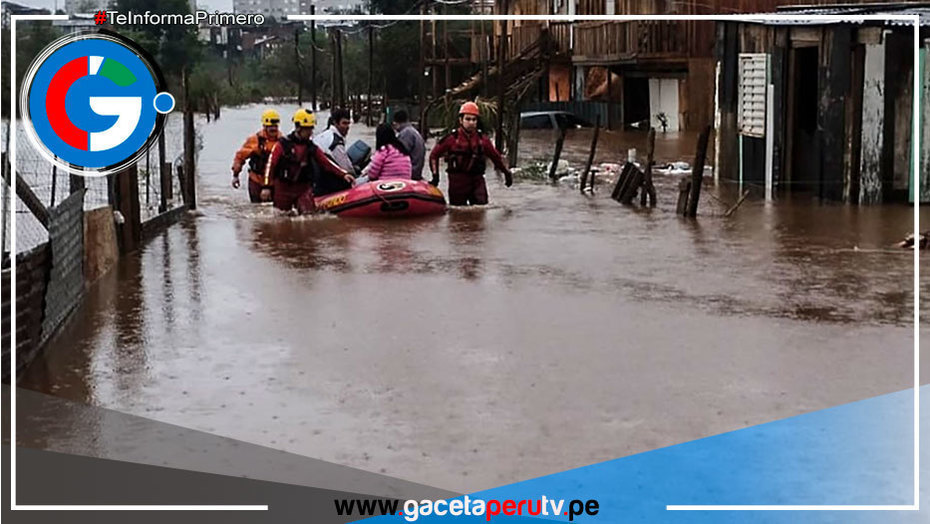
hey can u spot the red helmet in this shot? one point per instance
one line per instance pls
(469, 108)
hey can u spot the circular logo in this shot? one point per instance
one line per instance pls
(93, 102)
(397, 185)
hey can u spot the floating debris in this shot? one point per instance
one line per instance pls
(540, 170)
(908, 242)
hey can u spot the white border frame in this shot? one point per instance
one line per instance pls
(913, 20)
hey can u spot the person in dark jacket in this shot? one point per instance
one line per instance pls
(413, 141)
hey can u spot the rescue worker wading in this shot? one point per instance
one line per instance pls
(256, 150)
(294, 165)
(466, 150)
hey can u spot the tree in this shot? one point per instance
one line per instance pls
(392, 7)
(31, 39)
(174, 46)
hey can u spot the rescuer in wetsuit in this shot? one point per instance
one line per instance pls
(295, 163)
(466, 150)
(256, 150)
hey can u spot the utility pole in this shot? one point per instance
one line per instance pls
(300, 69)
(485, 54)
(445, 51)
(339, 72)
(313, 57)
(433, 53)
(422, 68)
(333, 92)
(229, 58)
(501, 46)
(371, 66)
(188, 190)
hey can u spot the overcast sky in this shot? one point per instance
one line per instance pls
(207, 5)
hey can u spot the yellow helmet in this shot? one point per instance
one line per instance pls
(304, 118)
(270, 118)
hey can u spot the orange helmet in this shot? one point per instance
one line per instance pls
(469, 108)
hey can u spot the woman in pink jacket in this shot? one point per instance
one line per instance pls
(391, 159)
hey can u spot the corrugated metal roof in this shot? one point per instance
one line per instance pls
(920, 9)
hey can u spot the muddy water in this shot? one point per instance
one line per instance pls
(548, 331)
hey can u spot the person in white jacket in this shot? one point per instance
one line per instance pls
(333, 143)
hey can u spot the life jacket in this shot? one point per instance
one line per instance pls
(290, 168)
(462, 157)
(259, 157)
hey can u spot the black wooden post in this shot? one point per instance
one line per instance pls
(54, 184)
(558, 153)
(649, 189)
(697, 173)
(148, 178)
(587, 164)
(75, 183)
(164, 172)
(167, 187)
(188, 189)
(684, 192)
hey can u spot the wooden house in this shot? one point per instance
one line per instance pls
(825, 108)
(665, 67)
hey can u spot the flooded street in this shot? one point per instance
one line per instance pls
(487, 346)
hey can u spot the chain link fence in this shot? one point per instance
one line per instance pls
(52, 185)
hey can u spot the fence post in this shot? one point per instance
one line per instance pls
(54, 184)
(188, 189)
(25, 193)
(558, 153)
(164, 171)
(126, 189)
(148, 178)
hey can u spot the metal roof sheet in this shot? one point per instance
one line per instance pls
(921, 9)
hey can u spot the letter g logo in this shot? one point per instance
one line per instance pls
(93, 102)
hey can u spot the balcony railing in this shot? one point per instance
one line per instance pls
(524, 36)
(641, 39)
(561, 34)
(599, 41)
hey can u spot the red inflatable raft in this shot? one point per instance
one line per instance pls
(385, 198)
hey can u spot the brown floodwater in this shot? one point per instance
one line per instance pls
(547, 331)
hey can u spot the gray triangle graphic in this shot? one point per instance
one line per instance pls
(50, 423)
(49, 478)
